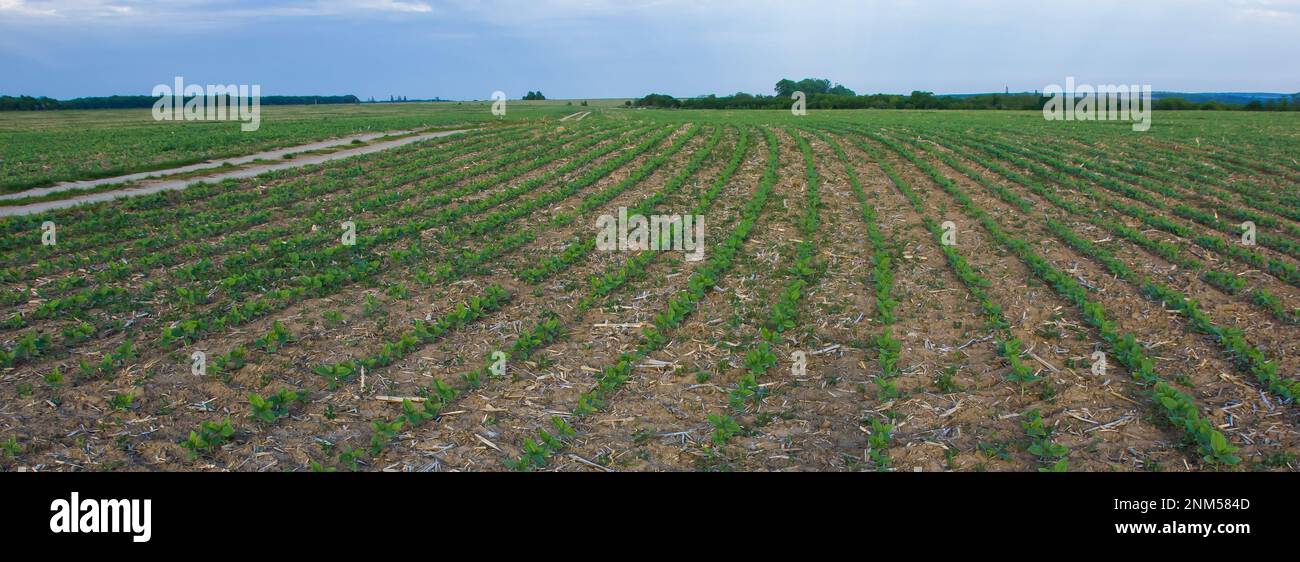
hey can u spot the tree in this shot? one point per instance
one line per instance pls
(840, 90)
(922, 100)
(786, 87)
(814, 86)
(658, 100)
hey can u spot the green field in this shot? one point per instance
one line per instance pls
(40, 148)
(880, 290)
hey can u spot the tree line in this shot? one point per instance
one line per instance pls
(823, 94)
(29, 103)
(916, 100)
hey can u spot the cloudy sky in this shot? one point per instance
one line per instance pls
(462, 49)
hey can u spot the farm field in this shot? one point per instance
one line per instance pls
(879, 290)
(41, 148)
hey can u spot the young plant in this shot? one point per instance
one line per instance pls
(760, 359)
(208, 437)
(332, 318)
(413, 415)
(547, 445)
(230, 362)
(11, 447)
(275, 339)
(123, 402)
(747, 389)
(1180, 411)
(1020, 372)
(372, 306)
(724, 428)
(269, 409)
(878, 444)
(77, 333)
(54, 378)
(337, 373)
(383, 433)
(1050, 454)
(350, 457)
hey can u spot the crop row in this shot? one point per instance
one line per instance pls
(185, 296)
(109, 225)
(590, 178)
(458, 266)
(784, 313)
(1174, 405)
(1248, 358)
(1281, 269)
(888, 348)
(1006, 343)
(611, 378)
(320, 273)
(550, 326)
(1174, 254)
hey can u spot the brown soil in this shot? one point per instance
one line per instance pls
(956, 410)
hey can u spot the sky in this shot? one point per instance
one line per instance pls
(462, 49)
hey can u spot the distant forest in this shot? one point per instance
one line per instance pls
(823, 95)
(29, 103)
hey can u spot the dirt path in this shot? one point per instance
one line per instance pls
(154, 186)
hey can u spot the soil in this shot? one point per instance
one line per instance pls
(956, 410)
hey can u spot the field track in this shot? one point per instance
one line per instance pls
(145, 183)
(830, 326)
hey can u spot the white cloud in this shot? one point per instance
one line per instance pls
(147, 12)
(1268, 11)
(395, 6)
(21, 8)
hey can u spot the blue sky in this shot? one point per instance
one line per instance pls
(607, 48)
